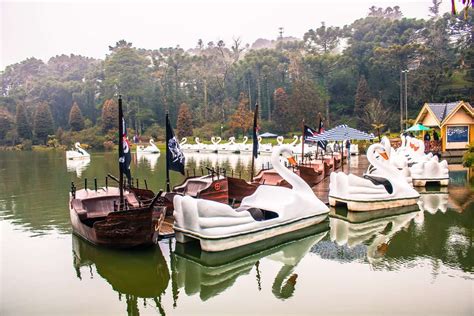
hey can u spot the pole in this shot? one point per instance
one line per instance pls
(401, 101)
(168, 189)
(302, 142)
(121, 154)
(406, 100)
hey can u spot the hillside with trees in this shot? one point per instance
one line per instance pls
(347, 74)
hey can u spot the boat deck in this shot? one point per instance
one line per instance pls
(357, 165)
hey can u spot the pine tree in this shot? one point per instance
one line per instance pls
(281, 111)
(6, 122)
(242, 119)
(43, 122)
(76, 121)
(109, 115)
(22, 127)
(362, 99)
(184, 124)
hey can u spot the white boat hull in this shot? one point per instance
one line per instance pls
(424, 182)
(367, 205)
(214, 244)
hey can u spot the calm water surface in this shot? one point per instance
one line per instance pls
(416, 261)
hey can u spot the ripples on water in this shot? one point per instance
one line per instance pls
(366, 264)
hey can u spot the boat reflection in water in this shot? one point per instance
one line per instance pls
(433, 201)
(150, 159)
(366, 235)
(133, 274)
(210, 274)
(77, 166)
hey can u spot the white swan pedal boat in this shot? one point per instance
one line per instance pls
(150, 149)
(387, 189)
(269, 212)
(78, 153)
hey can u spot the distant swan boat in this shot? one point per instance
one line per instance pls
(78, 153)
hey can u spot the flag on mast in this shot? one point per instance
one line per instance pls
(125, 157)
(174, 155)
(255, 133)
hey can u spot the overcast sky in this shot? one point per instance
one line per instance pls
(43, 29)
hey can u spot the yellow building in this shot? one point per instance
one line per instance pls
(455, 121)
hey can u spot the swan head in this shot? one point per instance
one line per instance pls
(280, 140)
(378, 149)
(245, 139)
(77, 145)
(287, 153)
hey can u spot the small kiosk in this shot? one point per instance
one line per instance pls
(455, 120)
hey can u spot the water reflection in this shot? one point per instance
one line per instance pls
(77, 166)
(433, 202)
(364, 235)
(209, 274)
(133, 274)
(238, 164)
(148, 159)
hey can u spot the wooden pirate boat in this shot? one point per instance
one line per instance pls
(98, 217)
(372, 192)
(114, 216)
(271, 211)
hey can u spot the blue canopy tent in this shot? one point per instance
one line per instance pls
(268, 135)
(342, 133)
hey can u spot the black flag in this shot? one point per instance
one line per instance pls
(322, 143)
(125, 157)
(174, 154)
(309, 134)
(255, 132)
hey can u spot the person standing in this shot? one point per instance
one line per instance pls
(348, 147)
(427, 142)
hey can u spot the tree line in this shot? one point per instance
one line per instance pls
(344, 74)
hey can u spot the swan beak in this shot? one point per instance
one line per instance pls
(384, 155)
(292, 161)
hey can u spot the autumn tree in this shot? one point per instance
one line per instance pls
(76, 121)
(281, 113)
(43, 122)
(109, 115)
(362, 98)
(184, 124)
(242, 119)
(22, 126)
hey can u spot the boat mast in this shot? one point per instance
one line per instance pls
(121, 153)
(302, 143)
(168, 189)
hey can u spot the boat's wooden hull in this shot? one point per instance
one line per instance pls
(121, 229)
(214, 244)
(93, 218)
(239, 188)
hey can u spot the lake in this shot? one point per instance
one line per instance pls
(416, 261)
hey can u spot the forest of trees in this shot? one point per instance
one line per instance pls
(348, 75)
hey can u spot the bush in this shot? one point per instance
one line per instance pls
(468, 157)
(26, 144)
